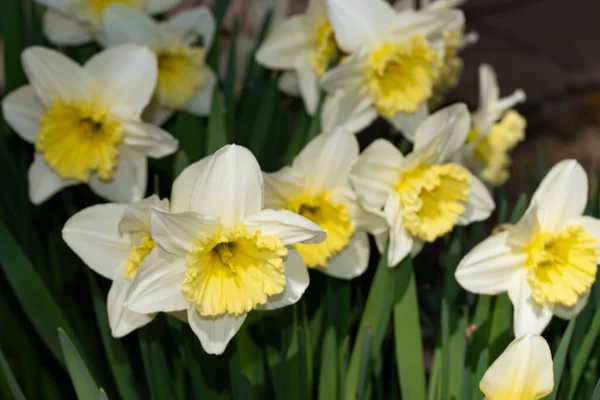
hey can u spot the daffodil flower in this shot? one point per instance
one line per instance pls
(317, 186)
(113, 240)
(75, 22)
(305, 44)
(219, 255)
(548, 261)
(394, 59)
(85, 121)
(423, 195)
(522, 372)
(184, 80)
(496, 130)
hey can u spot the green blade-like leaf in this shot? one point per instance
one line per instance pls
(261, 129)
(9, 377)
(407, 333)
(583, 355)
(365, 363)
(519, 209)
(596, 394)
(155, 362)
(82, 380)
(500, 335)
(445, 378)
(217, 135)
(12, 22)
(230, 81)
(458, 348)
(560, 356)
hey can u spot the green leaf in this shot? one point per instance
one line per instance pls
(500, 335)
(115, 352)
(560, 356)
(519, 209)
(596, 394)
(297, 139)
(407, 333)
(181, 162)
(583, 355)
(451, 259)
(217, 135)
(155, 361)
(458, 348)
(190, 130)
(230, 80)
(13, 26)
(315, 123)
(33, 295)
(445, 378)
(261, 127)
(365, 363)
(82, 380)
(9, 377)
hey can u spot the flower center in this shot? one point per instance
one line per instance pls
(562, 265)
(400, 76)
(333, 218)
(451, 68)
(432, 199)
(492, 151)
(233, 271)
(325, 48)
(137, 254)
(181, 72)
(78, 139)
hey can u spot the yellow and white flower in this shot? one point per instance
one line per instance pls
(85, 121)
(548, 261)
(304, 44)
(75, 22)
(184, 80)
(423, 195)
(113, 240)
(219, 255)
(317, 186)
(394, 59)
(522, 372)
(496, 130)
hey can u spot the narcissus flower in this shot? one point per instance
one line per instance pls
(394, 59)
(423, 195)
(184, 80)
(496, 130)
(85, 121)
(548, 261)
(317, 186)
(75, 22)
(305, 44)
(219, 255)
(522, 372)
(113, 240)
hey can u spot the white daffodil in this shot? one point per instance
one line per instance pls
(522, 372)
(317, 186)
(305, 44)
(219, 255)
(184, 80)
(548, 261)
(394, 59)
(496, 130)
(75, 22)
(113, 240)
(423, 195)
(85, 121)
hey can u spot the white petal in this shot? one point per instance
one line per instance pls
(562, 195)
(350, 110)
(401, 242)
(569, 312)
(23, 110)
(368, 220)
(296, 282)
(124, 24)
(192, 23)
(129, 179)
(183, 186)
(284, 44)
(491, 266)
(359, 22)
(136, 216)
(352, 261)
(316, 13)
(348, 75)
(156, 114)
(157, 284)
(214, 332)
(124, 76)
(288, 226)
(428, 24)
(308, 81)
(480, 203)
(160, 6)
(149, 139)
(326, 160)
(93, 234)
(64, 31)
(592, 225)
(528, 317)
(376, 173)
(522, 371)
(407, 124)
(123, 321)
(176, 233)
(201, 102)
(451, 124)
(54, 76)
(43, 182)
(230, 186)
(282, 186)
(289, 84)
